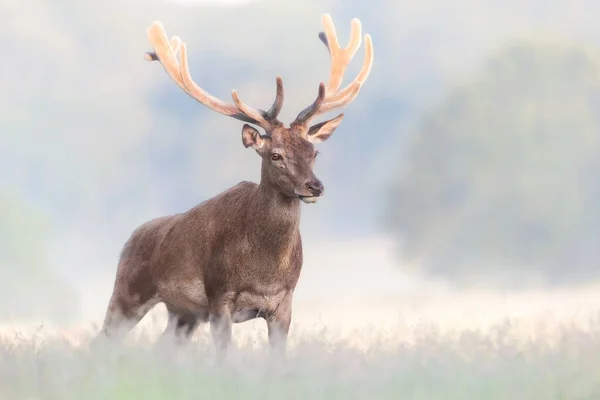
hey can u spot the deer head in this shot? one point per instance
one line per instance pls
(288, 153)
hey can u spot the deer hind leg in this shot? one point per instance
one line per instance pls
(181, 326)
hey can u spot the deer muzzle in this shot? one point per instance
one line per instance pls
(313, 190)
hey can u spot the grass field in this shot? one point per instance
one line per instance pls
(463, 346)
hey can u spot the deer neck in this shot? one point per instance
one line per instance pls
(276, 218)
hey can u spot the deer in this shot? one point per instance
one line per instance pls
(238, 255)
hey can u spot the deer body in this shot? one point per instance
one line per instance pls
(238, 255)
(235, 258)
(222, 249)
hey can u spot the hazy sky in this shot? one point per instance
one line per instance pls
(98, 140)
(221, 3)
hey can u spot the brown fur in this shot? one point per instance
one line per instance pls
(234, 257)
(238, 255)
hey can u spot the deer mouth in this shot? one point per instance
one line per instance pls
(309, 199)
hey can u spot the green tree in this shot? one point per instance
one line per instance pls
(502, 177)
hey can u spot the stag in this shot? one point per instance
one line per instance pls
(236, 256)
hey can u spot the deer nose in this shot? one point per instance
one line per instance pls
(315, 187)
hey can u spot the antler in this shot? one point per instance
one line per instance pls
(165, 52)
(340, 59)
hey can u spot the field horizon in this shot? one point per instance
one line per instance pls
(537, 344)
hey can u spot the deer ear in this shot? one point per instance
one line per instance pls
(323, 130)
(251, 137)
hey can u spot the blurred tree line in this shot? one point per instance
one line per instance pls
(29, 289)
(499, 176)
(501, 182)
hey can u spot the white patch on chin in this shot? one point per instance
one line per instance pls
(310, 200)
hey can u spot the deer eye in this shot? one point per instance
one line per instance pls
(275, 157)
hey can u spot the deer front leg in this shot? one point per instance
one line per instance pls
(278, 325)
(220, 325)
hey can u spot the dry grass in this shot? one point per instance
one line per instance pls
(543, 345)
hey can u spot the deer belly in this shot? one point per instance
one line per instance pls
(249, 305)
(184, 295)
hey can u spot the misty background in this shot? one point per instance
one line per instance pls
(470, 158)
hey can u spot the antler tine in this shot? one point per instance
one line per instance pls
(278, 103)
(332, 105)
(253, 113)
(166, 52)
(340, 58)
(310, 111)
(163, 52)
(266, 119)
(349, 93)
(323, 38)
(175, 44)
